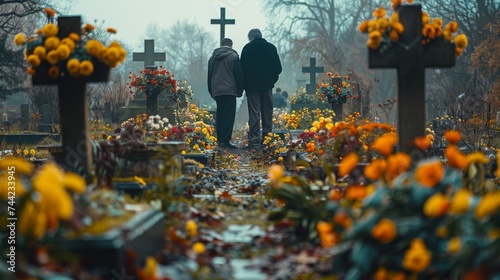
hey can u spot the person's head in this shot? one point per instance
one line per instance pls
(226, 42)
(284, 94)
(278, 90)
(254, 34)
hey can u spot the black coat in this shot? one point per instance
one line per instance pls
(224, 73)
(261, 65)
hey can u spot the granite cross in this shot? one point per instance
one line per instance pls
(222, 21)
(149, 56)
(74, 105)
(312, 70)
(410, 57)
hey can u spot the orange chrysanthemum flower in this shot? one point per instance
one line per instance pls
(455, 158)
(347, 164)
(452, 136)
(397, 164)
(375, 169)
(356, 192)
(430, 173)
(385, 144)
(384, 231)
(423, 143)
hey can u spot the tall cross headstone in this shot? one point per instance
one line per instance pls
(312, 69)
(149, 56)
(74, 105)
(222, 21)
(410, 57)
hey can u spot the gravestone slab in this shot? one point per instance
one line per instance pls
(25, 117)
(45, 124)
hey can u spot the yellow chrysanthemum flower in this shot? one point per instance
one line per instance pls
(52, 43)
(63, 51)
(461, 41)
(33, 60)
(73, 67)
(86, 68)
(68, 42)
(199, 248)
(74, 182)
(461, 201)
(50, 30)
(191, 228)
(52, 57)
(41, 52)
(20, 39)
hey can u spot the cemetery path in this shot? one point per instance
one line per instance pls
(230, 208)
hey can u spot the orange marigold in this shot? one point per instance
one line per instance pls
(430, 173)
(375, 169)
(355, 192)
(423, 143)
(384, 231)
(452, 136)
(385, 144)
(455, 157)
(347, 164)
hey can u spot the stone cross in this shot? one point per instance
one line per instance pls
(149, 56)
(222, 21)
(74, 105)
(312, 70)
(410, 57)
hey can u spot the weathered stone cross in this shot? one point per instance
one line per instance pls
(149, 56)
(73, 105)
(312, 70)
(410, 57)
(222, 21)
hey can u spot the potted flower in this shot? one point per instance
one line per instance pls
(152, 82)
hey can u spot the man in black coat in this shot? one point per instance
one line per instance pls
(261, 68)
(225, 83)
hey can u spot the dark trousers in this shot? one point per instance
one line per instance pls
(224, 121)
(260, 108)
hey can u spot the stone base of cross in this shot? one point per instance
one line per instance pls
(410, 57)
(73, 105)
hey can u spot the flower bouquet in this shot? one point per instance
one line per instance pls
(67, 52)
(152, 81)
(336, 90)
(384, 30)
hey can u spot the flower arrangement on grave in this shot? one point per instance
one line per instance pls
(336, 94)
(194, 114)
(152, 81)
(384, 29)
(25, 153)
(303, 118)
(301, 97)
(198, 135)
(425, 219)
(74, 55)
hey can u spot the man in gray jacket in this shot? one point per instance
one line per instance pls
(225, 83)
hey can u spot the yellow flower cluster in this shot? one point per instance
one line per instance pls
(72, 53)
(54, 203)
(383, 26)
(380, 25)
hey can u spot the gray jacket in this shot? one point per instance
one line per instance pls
(225, 76)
